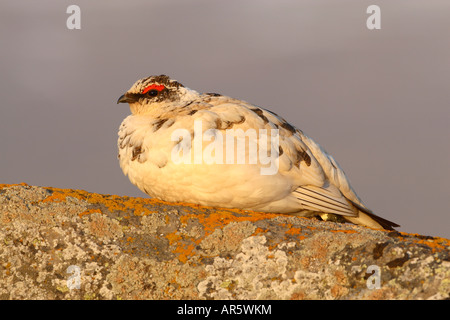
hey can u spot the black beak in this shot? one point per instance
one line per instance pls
(126, 98)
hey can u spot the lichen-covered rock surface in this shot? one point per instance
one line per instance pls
(72, 244)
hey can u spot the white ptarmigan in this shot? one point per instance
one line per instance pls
(179, 145)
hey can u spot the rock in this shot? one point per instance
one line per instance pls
(72, 244)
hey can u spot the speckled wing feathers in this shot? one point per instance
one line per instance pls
(297, 165)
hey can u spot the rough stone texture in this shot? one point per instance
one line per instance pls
(135, 248)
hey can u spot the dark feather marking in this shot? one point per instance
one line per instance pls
(218, 123)
(162, 165)
(260, 114)
(122, 139)
(158, 124)
(271, 112)
(306, 158)
(136, 152)
(170, 124)
(242, 120)
(333, 165)
(163, 79)
(302, 155)
(222, 124)
(188, 104)
(288, 127)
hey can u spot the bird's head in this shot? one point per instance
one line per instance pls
(156, 92)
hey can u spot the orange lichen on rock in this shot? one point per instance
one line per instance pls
(88, 212)
(111, 202)
(434, 243)
(294, 231)
(344, 231)
(223, 217)
(184, 252)
(5, 185)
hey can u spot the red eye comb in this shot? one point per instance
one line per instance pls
(158, 87)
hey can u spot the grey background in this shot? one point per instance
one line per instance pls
(378, 101)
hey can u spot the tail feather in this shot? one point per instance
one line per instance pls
(386, 224)
(367, 217)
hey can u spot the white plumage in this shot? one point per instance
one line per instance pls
(169, 120)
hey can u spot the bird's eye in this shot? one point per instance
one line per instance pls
(152, 93)
(153, 90)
